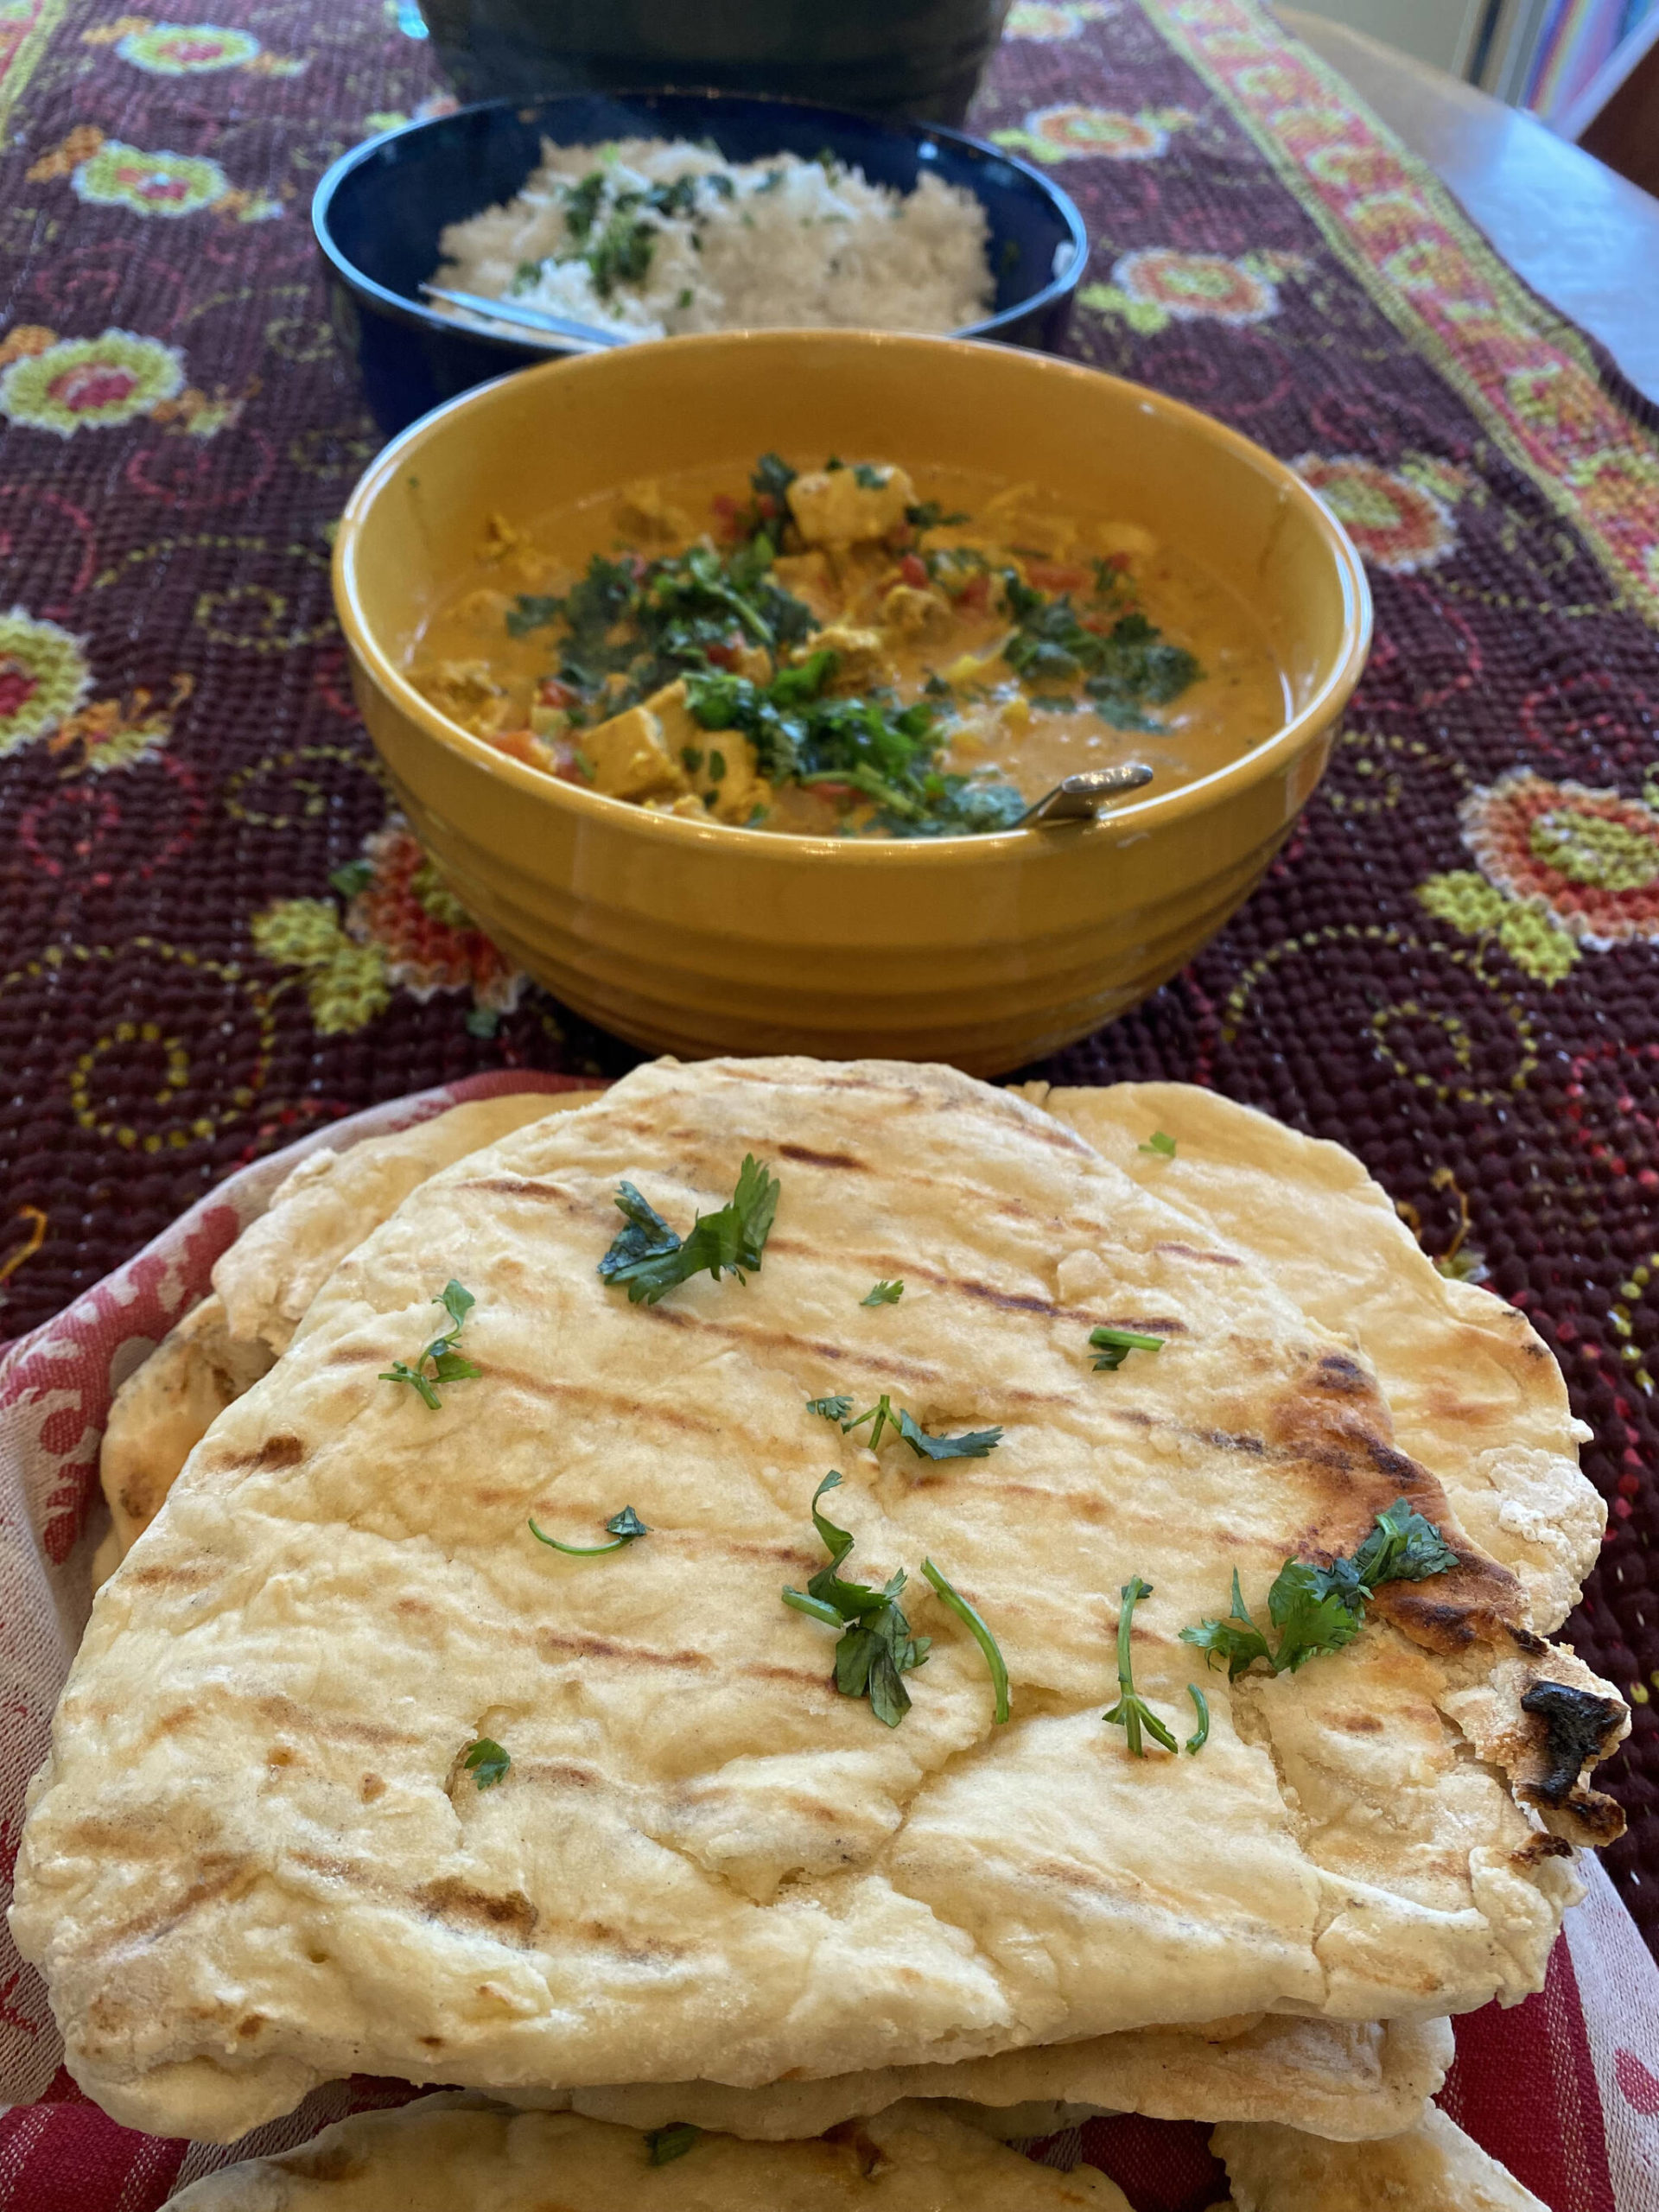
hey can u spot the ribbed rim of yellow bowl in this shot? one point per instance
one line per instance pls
(1139, 817)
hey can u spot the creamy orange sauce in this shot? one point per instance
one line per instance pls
(897, 592)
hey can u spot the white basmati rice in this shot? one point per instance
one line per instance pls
(779, 244)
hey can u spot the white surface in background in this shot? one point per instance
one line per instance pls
(1575, 231)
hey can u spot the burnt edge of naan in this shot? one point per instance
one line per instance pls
(1577, 1729)
(1556, 1733)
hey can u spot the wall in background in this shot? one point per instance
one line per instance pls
(1561, 58)
(1440, 32)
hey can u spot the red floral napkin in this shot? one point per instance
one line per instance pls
(1564, 2089)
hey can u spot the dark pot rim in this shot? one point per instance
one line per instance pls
(402, 308)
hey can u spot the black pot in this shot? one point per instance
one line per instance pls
(882, 57)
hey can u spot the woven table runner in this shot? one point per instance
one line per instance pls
(214, 936)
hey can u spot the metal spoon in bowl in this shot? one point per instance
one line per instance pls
(1079, 798)
(584, 337)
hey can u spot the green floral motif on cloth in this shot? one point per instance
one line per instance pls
(1590, 849)
(186, 50)
(1156, 287)
(1061, 134)
(43, 677)
(1588, 858)
(154, 184)
(403, 928)
(1478, 908)
(1400, 519)
(437, 900)
(1563, 869)
(346, 983)
(91, 384)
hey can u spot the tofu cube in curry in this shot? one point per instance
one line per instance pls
(861, 659)
(659, 750)
(630, 757)
(837, 507)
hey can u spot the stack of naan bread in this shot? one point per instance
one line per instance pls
(708, 1889)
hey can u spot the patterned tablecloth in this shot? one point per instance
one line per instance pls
(217, 937)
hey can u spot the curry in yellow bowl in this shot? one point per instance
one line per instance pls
(837, 651)
(728, 746)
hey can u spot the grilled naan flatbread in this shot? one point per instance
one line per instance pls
(161, 1412)
(332, 1199)
(457, 2154)
(266, 1281)
(1327, 1235)
(1433, 2168)
(256, 1859)
(1473, 1389)
(1349, 2079)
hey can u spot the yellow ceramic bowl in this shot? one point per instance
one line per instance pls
(695, 937)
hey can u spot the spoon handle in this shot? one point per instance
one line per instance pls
(1079, 797)
(587, 335)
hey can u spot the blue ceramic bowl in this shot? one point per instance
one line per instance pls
(378, 210)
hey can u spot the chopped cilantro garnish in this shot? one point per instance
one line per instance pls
(772, 474)
(487, 1763)
(621, 254)
(927, 514)
(647, 623)
(872, 479)
(1132, 1713)
(883, 752)
(532, 611)
(1158, 1143)
(885, 1294)
(619, 240)
(876, 1647)
(1200, 1735)
(1115, 1345)
(582, 202)
(1404, 1546)
(649, 1257)
(1320, 1609)
(1236, 1642)
(981, 1636)
(1124, 670)
(880, 1412)
(974, 1444)
(664, 2144)
(440, 1362)
(625, 1528)
(831, 1409)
